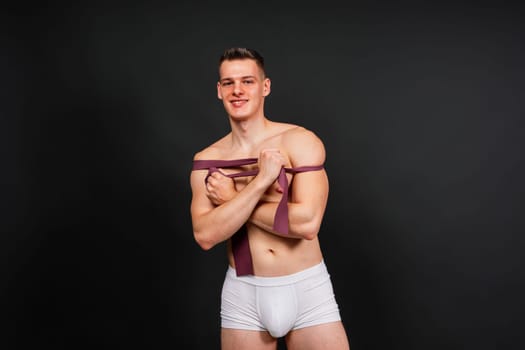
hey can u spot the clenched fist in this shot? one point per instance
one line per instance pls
(220, 188)
(270, 164)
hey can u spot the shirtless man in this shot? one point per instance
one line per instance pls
(288, 293)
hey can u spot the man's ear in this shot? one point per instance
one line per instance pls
(219, 94)
(267, 87)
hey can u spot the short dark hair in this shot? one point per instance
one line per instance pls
(241, 53)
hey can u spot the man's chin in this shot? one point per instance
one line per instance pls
(239, 116)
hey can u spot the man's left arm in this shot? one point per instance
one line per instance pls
(308, 190)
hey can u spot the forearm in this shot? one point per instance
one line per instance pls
(220, 223)
(302, 223)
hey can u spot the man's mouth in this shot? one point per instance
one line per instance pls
(238, 103)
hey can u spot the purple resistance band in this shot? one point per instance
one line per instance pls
(240, 244)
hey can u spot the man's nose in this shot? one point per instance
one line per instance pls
(237, 88)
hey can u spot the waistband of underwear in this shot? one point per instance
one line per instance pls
(280, 280)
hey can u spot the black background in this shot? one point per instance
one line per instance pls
(420, 106)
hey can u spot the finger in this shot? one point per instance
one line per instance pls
(218, 174)
(212, 181)
(269, 151)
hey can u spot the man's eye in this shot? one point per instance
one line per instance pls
(226, 83)
(248, 81)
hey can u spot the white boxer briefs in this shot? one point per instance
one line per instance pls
(278, 304)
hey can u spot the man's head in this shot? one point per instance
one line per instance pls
(242, 84)
(242, 53)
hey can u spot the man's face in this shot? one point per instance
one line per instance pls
(242, 88)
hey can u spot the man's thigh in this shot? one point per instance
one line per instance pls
(319, 337)
(236, 339)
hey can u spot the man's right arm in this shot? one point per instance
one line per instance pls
(214, 224)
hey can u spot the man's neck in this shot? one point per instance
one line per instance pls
(246, 134)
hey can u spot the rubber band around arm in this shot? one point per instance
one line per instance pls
(240, 243)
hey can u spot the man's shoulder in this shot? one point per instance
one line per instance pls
(300, 134)
(303, 146)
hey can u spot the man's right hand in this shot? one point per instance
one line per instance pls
(270, 164)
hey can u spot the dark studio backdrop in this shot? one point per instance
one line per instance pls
(420, 107)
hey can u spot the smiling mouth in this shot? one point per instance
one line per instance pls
(238, 103)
